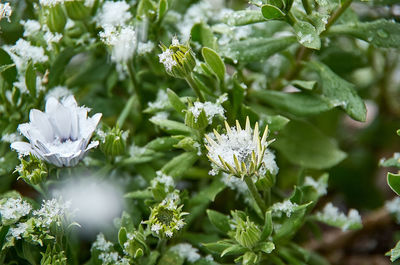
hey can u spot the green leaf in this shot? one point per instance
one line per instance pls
(57, 68)
(268, 227)
(304, 145)
(219, 246)
(162, 9)
(339, 92)
(179, 164)
(162, 143)
(173, 127)
(297, 103)
(394, 182)
(214, 62)
(272, 12)
(395, 252)
(139, 194)
(6, 67)
(381, 33)
(302, 84)
(266, 247)
(219, 220)
(291, 225)
(30, 79)
(391, 162)
(307, 35)
(255, 49)
(9, 74)
(243, 17)
(233, 250)
(171, 258)
(209, 193)
(176, 102)
(146, 8)
(203, 34)
(122, 236)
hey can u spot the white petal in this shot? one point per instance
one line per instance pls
(60, 118)
(22, 148)
(41, 122)
(69, 102)
(51, 104)
(89, 126)
(31, 132)
(53, 159)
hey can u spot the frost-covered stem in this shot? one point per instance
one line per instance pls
(337, 14)
(133, 80)
(193, 85)
(255, 194)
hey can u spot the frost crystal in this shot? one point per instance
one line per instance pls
(113, 14)
(320, 186)
(5, 11)
(393, 207)
(122, 42)
(31, 27)
(13, 209)
(332, 216)
(186, 251)
(26, 52)
(235, 183)
(60, 135)
(287, 207)
(166, 180)
(17, 231)
(167, 59)
(209, 108)
(52, 211)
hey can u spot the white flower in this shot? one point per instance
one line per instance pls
(122, 42)
(102, 244)
(113, 14)
(17, 231)
(13, 209)
(5, 11)
(238, 152)
(60, 135)
(52, 211)
(167, 59)
(161, 178)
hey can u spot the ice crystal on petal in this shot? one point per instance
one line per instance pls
(31, 27)
(60, 135)
(25, 51)
(164, 179)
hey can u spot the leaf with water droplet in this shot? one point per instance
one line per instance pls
(380, 33)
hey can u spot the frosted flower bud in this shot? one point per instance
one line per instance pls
(55, 18)
(60, 135)
(166, 218)
(239, 152)
(113, 142)
(133, 243)
(32, 171)
(246, 232)
(5, 11)
(77, 9)
(178, 59)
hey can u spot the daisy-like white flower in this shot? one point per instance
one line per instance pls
(60, 135)
(238, 152)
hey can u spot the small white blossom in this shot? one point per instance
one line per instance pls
(51, 38)
(31, 27)
(13, 209)
(186, 251)
(167, 60)
(17, 231)
(156, 228)
(113, 14)
(60, 135)
(5, 11)
(52, 211)
(287, 207)
(169, 233)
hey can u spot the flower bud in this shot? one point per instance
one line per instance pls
(56, 18)
(166, 219)
(113, 142)
(199, 122)
(247, 233)
(32, 171)
(178, 59)
(133, 244)
(77, 10)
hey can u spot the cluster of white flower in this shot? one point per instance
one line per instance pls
(287, 207)
(18, 230)
(122, 42)
(113, 14)
(13, 209)
(186, 251)
(52, 211)
(164, 179)
(393, 208)
(209, 108)
(59, 136)
(5, 11)
(331, 215)
(320, 186)
(167, 60)
(108, 256)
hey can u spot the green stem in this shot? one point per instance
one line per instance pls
(125, 112)
(255, 194)
(132, 76)
(337, 14)
(194, 86)
(307, 6)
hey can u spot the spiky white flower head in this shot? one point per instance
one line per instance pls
(113, 14)
(238, 152)
(122, 42)
(60, 135)
(5, 11)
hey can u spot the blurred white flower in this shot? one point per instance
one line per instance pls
(60, 135)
